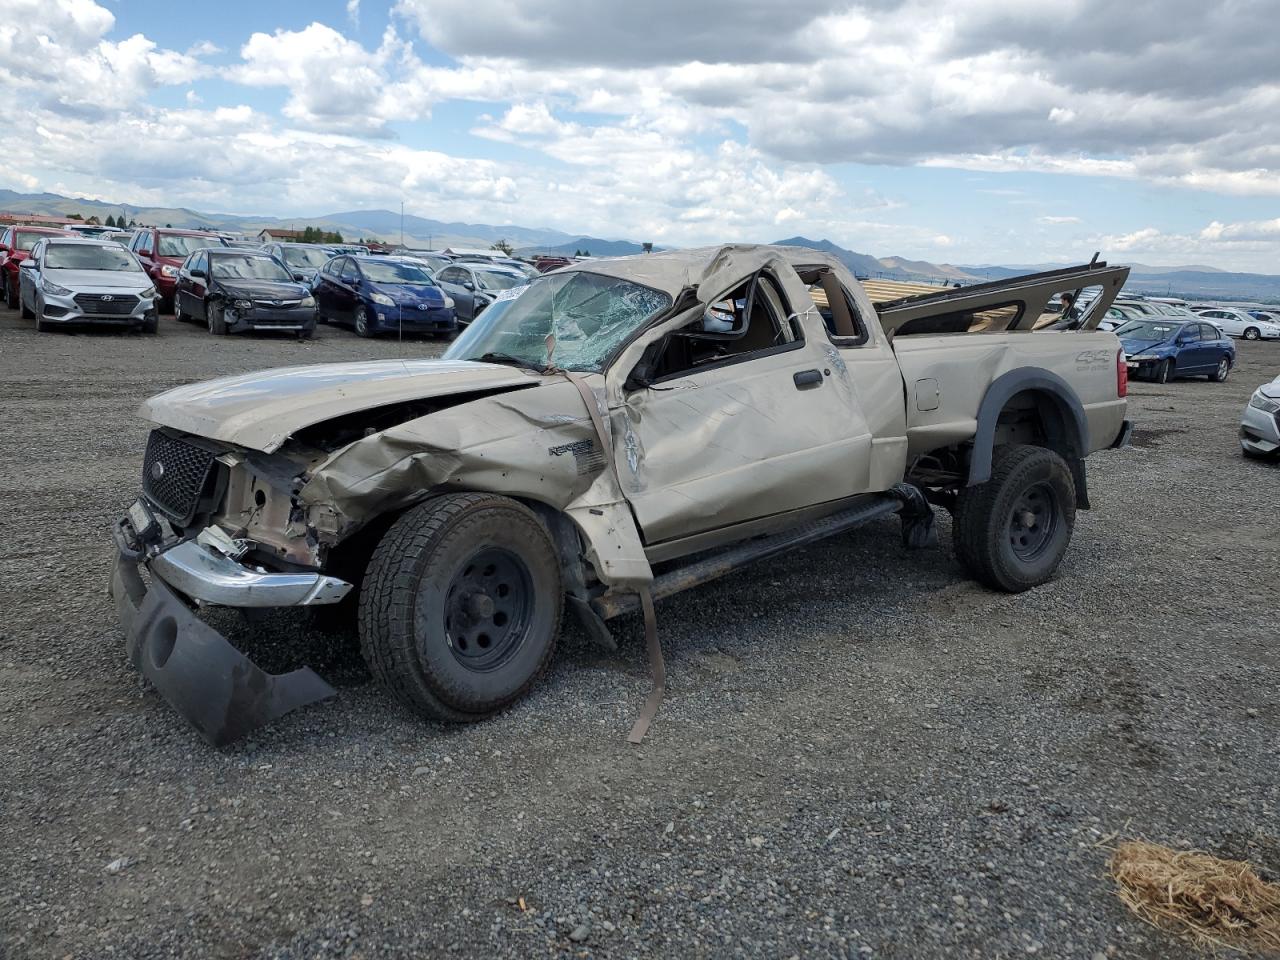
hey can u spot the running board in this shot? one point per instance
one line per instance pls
(728, 560)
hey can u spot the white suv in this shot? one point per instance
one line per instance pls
(1237, 323)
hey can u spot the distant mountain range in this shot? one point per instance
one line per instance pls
(1194, 281)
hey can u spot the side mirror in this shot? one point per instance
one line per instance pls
(198, 274)
(29, 262)
(468, 285)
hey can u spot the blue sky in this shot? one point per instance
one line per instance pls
(996, 132)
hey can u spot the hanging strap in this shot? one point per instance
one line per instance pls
(657, 666)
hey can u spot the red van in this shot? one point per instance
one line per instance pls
(163, 250)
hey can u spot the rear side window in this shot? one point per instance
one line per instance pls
(1191, 332)
(839, 310)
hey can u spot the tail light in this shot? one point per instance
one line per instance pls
(1122, 375)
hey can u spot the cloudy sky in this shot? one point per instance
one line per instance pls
(992, 131)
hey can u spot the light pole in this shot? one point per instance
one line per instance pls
(401, 224)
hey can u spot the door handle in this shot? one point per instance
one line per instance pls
(807, 379)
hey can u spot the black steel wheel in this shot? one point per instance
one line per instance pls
(1012, 531)
(460, 606)
(487, 609)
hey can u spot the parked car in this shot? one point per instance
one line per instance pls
(547, 264)
(510, 263)
(304, 260)
(1260, 425)
(357, 249)
(15, 245)
(466, 501)
(474, 286)
(163, 251)
(1162, 349)
(85, 281)
(1270, 316)
(233, 290)
(1117, 316)
(435, 261)
(381, 294)
(1237, 323)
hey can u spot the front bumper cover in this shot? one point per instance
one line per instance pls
(223, 693)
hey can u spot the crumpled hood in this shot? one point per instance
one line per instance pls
(263, 289)
(1133, 347)
(262, 410)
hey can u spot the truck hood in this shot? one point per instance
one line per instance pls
(262, 410)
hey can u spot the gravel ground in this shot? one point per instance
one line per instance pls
(861, 753)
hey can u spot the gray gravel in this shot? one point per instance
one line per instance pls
(861, 754)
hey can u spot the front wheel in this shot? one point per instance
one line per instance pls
(11, 293)
(1252, 333)
(217, 319)
(460, 606)
(26, 312)
(1164, 371)
(1224, 370)
(1012, 531)
(362, 322)
(150, 325)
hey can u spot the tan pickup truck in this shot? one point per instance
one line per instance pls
(619, 429)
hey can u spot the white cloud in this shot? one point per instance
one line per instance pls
(1057, 221)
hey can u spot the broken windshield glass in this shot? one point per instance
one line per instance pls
(588, 316)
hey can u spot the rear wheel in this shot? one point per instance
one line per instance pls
(362, 322)
(460, 606)
(1164, 371)
(1252, 333)
(1222, 372)
(1012, 531)
(217, 319)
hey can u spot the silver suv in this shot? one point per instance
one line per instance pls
(67, 281)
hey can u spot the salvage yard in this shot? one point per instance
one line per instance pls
(862, 752)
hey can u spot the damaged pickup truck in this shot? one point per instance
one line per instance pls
(618, 431)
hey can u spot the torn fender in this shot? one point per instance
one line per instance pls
(537, 444)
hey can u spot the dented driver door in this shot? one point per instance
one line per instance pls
(769, 426)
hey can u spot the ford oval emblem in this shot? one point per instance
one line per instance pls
(157, 470)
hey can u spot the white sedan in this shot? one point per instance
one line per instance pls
(1237, 323)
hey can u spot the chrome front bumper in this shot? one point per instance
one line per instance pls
(223, 693)
(203, 573)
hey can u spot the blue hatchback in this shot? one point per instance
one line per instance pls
(381, 295)
(1163, 348)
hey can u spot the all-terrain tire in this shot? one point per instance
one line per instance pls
(424, 633)
(992, 539)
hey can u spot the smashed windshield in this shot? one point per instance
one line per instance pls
(1148, 330)
(589, 315)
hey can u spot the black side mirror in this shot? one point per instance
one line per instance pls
(198, 273)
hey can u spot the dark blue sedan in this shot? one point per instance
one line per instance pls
(1165, 348)
(382, 295)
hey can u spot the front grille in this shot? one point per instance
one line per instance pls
(106, 304)
(174, 475)
(276, 304)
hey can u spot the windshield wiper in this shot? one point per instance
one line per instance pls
(514, 361)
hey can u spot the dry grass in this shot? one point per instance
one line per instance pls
(1207, 899)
